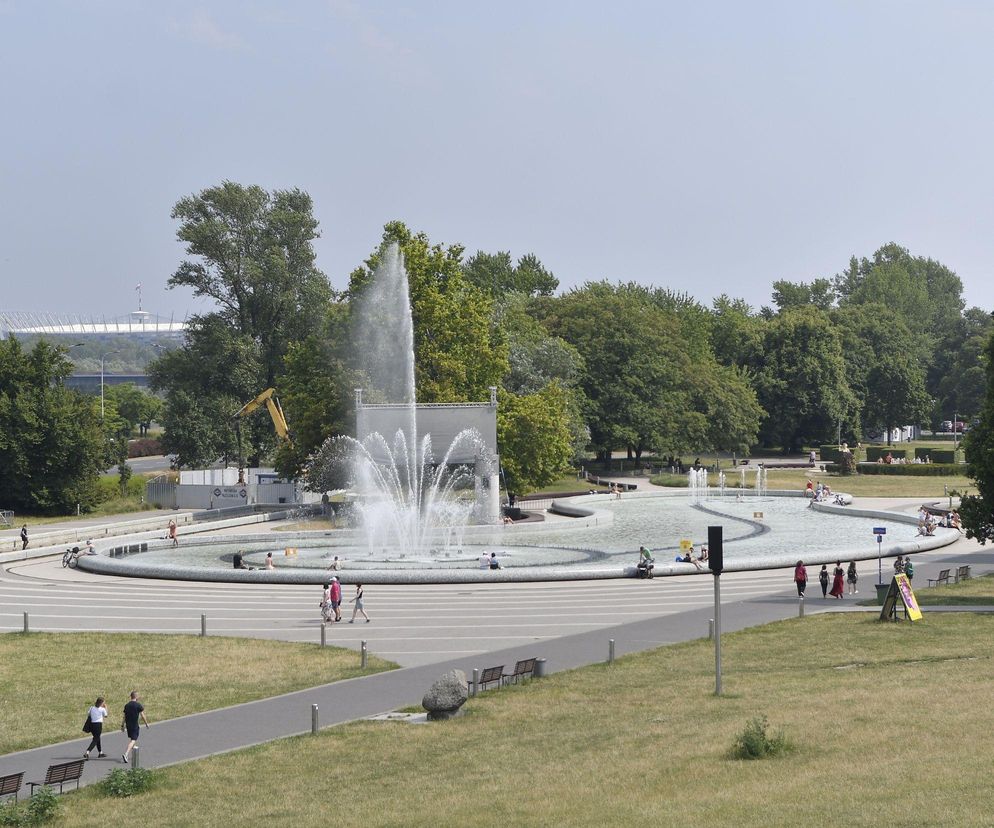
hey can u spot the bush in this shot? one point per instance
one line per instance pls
(42, 807)
(145, 447)
(754, 742)
(123, 783)
(913, 469)
(846, 464)
(109, 488)
(936, 455)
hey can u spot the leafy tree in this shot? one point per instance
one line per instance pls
(51, 444)
(736, 333)
(136, 407)
(252, 254)
(800, 379)
(497, 275)
(819, 293)
(458, 352)
(896, 394)
(534, 438)
(977, 510)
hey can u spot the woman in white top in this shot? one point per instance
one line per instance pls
(96, 716)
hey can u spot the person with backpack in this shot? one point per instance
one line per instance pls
(823, 580)
(852, 577)
(909, 568)
(95, 720)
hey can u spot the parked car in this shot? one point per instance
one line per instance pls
(959, 425)
(946, 426)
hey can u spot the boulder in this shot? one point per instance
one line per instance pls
(446, 695)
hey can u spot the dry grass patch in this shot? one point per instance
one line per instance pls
(644, 742)
(49, 680)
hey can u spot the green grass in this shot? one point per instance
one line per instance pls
(886, 721)
(570, 483)
(49, 680)
(972, 592)
(870, 485)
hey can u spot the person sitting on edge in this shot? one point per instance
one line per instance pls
(494, 563)
(484, 560)
(809, 490)
(237, 562)
(269, 561)
(704, 554)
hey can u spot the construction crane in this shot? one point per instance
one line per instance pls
(272, 403)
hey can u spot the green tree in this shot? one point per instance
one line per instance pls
(533, 437)
(977, 510)
(896, 395)
(497, 275)
(52, 447)
(252, 254)
(800, 380)
(819, 293)
(136, 407)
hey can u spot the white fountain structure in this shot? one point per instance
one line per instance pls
(697, 484)
(412, 502)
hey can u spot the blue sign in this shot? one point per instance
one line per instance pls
(879, 530)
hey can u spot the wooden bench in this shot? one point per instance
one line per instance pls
(10, 785)
(61, 774)
(492, 675)
(962, 574)
(523, 669)
(942, 580)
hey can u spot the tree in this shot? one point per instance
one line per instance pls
(252, 254)
(800, 379)
(458, 351)
(495, 274)
(534, 437)
(896, 395)
(819, 293)
(977, 511)
(136, 407)
(51, 444)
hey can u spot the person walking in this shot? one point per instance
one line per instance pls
(133, 711)
(327, 613)
(96, 718)
(909, 569)
(24, 537)
(823, 580)
(358, 605)
(838, 584)
(336, 598)
(852, 577)
(800, 578)
(172, 532)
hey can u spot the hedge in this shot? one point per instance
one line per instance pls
(913, 469)
(937, 455)
(830, 454)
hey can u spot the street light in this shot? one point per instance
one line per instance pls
(102, 358)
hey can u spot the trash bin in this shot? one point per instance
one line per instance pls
(539, 668)
(882, 590)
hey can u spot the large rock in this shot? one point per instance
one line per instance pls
(446, 695)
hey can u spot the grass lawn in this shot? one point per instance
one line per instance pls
(49, 680)
(570, 483)
(888, 722)
(972, 592)
(870, 485)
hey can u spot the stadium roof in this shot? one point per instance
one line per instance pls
(56, 324)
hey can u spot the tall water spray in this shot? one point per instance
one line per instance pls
(408, 501)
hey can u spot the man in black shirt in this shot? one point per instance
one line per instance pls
(132, 711)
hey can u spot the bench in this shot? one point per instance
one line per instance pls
(523, 669)
(61, 774)
(492, 675)
(942, 580)
(962, 574)
(11, 784)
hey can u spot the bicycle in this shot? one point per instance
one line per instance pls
(71, 557)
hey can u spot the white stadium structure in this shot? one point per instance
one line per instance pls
(136, 323)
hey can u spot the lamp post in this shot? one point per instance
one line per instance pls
(955, 423)
(102, 358)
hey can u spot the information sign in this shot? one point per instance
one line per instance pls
(900, 588)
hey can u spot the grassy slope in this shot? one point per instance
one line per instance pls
(880, 715)
(49, 680)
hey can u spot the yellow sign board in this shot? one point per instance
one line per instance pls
(900, 587)
(757, 515)
(686, 545)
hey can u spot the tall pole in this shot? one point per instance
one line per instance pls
(717, 634)
(102, 358)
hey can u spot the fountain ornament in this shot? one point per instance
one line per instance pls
(410, 501)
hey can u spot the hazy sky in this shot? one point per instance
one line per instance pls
(707, 147)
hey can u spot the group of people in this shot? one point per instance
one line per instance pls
(331, 602)
(889, 459)
(903, 566)
(691, 558)
(134, 713)
(489, 561)
(928, 521)
(839, 578)
(818, 492)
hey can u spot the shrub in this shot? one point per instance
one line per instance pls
(42, 807)
(145, 447)
(913, 469)
(109, 488)
(936, 455)
(755, 742)
(877, 452)
(124, 783)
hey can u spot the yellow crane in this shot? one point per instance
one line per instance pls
(272, 403)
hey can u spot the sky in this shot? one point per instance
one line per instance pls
(706, 147)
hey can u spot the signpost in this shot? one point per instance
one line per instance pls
(715, 564)
(880, 531)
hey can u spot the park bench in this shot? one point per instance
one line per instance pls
(523, 669)
(942, 580)
(492, 675)
(61, 774)
(11, 784)
(962, 574)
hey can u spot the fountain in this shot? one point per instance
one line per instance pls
(408, 499)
